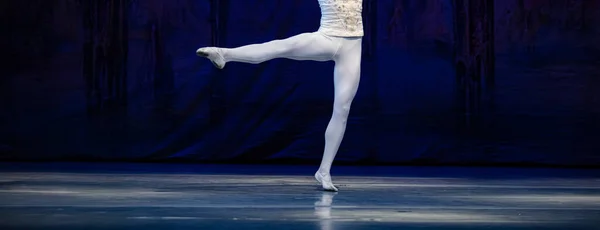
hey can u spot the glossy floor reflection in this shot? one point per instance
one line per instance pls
(136, 196)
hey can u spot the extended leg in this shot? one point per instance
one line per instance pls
(346, 79)
(306, 46)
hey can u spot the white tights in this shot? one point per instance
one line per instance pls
(346, 52)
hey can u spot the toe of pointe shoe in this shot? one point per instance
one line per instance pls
(201, 52)
(330, 188)
(325, 182)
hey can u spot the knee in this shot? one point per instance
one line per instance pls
(341, 109)
(343, 98)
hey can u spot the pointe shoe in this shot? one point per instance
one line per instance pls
(213, 54)
(325, 181)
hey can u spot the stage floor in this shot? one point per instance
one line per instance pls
(170, 196)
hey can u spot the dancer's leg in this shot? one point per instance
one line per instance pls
(346, 80)
(307, 46)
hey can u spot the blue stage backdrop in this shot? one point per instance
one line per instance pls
(119, 80)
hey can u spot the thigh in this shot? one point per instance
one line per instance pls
(311, 46)
(347, 70)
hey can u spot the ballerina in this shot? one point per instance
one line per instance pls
(338, 39)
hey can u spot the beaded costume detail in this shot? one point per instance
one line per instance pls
(341, 18)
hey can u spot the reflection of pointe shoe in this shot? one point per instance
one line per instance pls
(325, 181)
(214, 54)
(326, 200)
(323, 207)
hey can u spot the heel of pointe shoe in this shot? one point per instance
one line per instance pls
(318, 177)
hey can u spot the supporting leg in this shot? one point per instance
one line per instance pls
(346, 80)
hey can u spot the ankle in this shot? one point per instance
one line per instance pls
(323, 172)
(223, 53)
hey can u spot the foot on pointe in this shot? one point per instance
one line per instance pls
(214, 54)
(325, 180)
